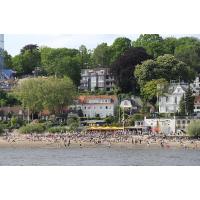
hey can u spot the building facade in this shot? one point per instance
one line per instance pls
(97, 106)
(96, 79)
(169, 103)
(167, 125)
(197, 104)
(196, 86)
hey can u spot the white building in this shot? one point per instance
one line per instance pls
(169, 103)
(197, 104)
(98, 78)
(166, 125)
(101, 105)
(196, 86)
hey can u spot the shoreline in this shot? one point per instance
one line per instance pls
(82, 144)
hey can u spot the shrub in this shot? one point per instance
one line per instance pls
(194, 129)
(73, 126)
(2, 128)
(33, 128)
(110, 119)
(57, 129)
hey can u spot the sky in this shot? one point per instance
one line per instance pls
(13, 42)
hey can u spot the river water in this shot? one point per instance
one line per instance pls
(98, 157)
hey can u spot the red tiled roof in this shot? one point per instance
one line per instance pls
(84, 98)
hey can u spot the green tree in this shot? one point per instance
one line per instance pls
(169, 45)
(27, 60)
(58, 93)
(167, 67)
(51, 93)
(110, 120)
(61, 62)
(124, 67)
(29, 92)
(85, 57)
(152, 89)
(7, 60)
(8, 99)
(190, 54)
(145, 72)
(119, 46)
(193, 129)
(73, 122)
(189, 101)
(182, 106)
(102, 55)
(153, 43)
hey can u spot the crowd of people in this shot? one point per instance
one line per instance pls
(107, 138)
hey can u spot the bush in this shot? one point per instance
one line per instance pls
(15, 123)
(57, 129)
(2, 128)
(33, 128)
(73, 122)
(194, 129)
(73, 126)
(110, 119)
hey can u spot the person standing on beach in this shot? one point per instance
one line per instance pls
(69, 143)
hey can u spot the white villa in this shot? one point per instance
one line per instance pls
(170, 102)
(100, 105)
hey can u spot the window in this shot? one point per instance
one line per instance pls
(178, 121)
(183, 121)
(106, 107)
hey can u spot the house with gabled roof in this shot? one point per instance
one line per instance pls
(169, 103)
(97, 105)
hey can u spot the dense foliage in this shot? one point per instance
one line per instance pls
(193, 129)
(167, 67)
(33, 128)
(152, 89)
(124, 66)
(50, 93)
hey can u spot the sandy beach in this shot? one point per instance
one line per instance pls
(22, 142)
